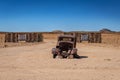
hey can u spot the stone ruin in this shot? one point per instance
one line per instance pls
(23, 36)
(16, 37)
(90, 37)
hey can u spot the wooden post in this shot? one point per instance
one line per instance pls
(11, 37)
(37, 37)
(16, 37)
(6, 37)
(32, 37)
(27, 37)
(92, 38)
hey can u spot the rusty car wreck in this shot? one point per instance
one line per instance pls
(66, 47)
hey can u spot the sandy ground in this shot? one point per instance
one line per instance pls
(35, 62)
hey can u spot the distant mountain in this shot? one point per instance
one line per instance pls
(105, 30)
(58, 31)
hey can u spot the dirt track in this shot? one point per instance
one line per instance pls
(36, 63)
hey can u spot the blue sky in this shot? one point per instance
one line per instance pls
(66, 15)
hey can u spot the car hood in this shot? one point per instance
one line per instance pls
(69, 42)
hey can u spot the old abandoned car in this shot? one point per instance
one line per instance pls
(66, 47)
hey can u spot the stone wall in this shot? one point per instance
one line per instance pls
(29, 37)
(51, 35)
(93, 37)
(111, 38)
(2, 39)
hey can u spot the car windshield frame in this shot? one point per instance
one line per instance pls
(71, 39)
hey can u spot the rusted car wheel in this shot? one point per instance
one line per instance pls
(70, 57)
(59, 57)
(54, 55)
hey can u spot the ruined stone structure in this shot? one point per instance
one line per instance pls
(91, 37)
(111, 38)
(51, 35)
(23, 36)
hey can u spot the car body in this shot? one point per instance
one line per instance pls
(66, 47)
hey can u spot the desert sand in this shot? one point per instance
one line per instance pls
(35, 62)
